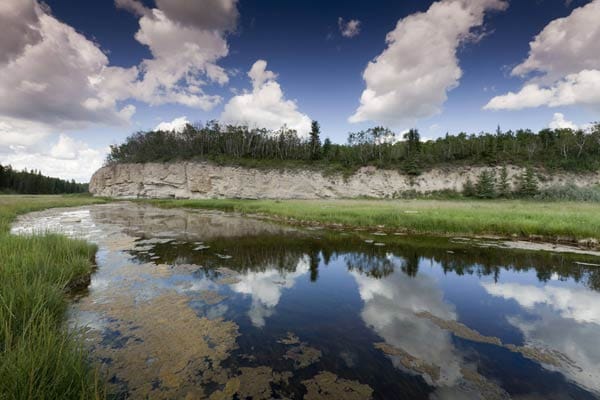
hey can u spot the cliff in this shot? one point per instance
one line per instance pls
(199, 180)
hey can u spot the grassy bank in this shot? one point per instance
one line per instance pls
(551, 220)
(39, 359)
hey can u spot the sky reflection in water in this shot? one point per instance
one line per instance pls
(412, 318)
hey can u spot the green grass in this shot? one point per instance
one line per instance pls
(39, 358)
(552, 220)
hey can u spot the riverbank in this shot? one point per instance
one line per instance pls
(563, 222)
(39, 359)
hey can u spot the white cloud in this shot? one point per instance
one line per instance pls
(390, 307)
(265, 106)
(412, 76)
(18, 20)
(66, 158)
(349, 28)
(582, 88)
(565, 55)
(560, 122)
(184, 58)
(206, 14)
(177, 125)
(265, 288)
(562, 318)
(59, 80)
(53, 80)
(581, 305)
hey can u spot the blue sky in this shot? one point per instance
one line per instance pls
(311, 70)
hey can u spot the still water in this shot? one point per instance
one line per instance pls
(196, 304)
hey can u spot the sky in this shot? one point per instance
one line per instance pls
(77, 77)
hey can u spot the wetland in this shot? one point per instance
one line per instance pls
(206, 304)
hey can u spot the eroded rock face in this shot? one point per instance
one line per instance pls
(196, 180)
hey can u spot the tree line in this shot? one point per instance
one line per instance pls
(33, 182)
(564, 149)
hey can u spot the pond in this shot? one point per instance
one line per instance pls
(196, 304)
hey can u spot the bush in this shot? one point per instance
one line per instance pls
(570, 192)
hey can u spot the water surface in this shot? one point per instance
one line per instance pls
(196, 304)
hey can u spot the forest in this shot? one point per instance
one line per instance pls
(551, 149)
(33, 182)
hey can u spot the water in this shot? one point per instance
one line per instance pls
(194, 304)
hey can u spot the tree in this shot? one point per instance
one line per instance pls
(485, 187)
(469, 188)
(326, 147)
(413, 140)
(503, 183)
(529, 183)
(315, 141)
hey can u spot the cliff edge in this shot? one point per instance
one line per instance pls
(202, 180)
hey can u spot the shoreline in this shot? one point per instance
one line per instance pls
(295, 216)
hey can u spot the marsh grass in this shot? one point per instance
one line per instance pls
(523, 218)
(39, 358)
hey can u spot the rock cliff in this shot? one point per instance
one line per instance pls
(200, 180)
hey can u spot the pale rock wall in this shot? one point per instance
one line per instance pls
(200, 180)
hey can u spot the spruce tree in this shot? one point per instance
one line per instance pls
(469, 188)
(485, 187)
(503, 183)
(315, 141)
(326, 147)
(529, 183)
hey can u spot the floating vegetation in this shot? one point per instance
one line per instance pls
(254, 383)
(460, 330)
(169, 351)
(550, 357)
(486, 388)
(227, 276)
(211, 297)
(472, 380)
(328, 386)
(303, 355)
(186, 268)
(290, 339)
(410, 362)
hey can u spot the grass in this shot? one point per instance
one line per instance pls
(39, 358)
(550, 220)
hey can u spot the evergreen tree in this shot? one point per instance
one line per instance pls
(326, 147)
(503, 183)
(469, 188)
(315, 140)
(529, 183)
(485, 187)
(413, 140)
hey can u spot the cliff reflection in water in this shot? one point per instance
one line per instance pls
(281, 312)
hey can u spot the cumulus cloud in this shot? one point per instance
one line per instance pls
(390, 307)
(266, 287)
(184, 59)
(562, 318)
(56, 76)
(66, 158)
(54, 80)
(560, 122)
(177, 125)
(205, 14)
(564, 59)
(59, 80)
(265, 106)
(18, 20)
(349, 28)
(411, 77)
